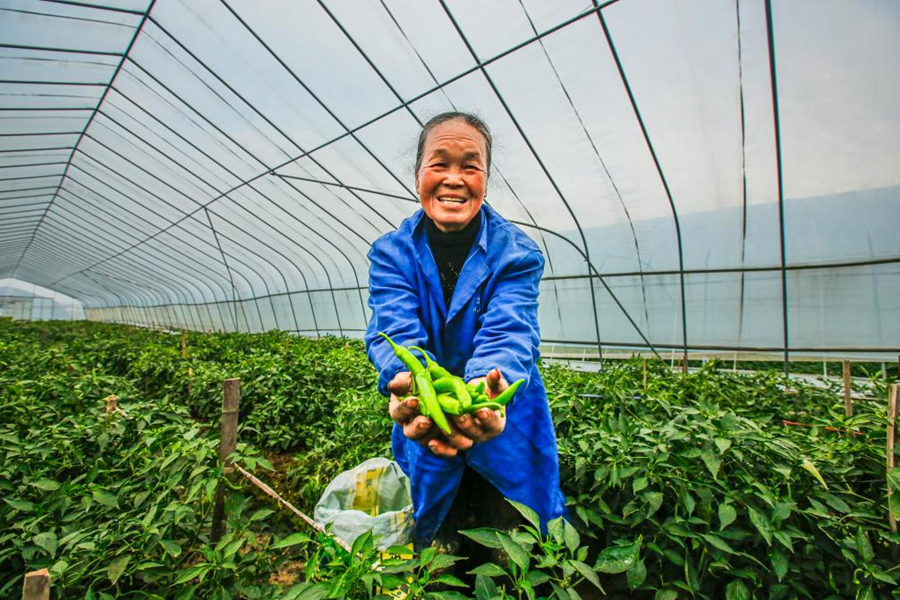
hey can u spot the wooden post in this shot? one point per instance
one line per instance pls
(231, 398)
(644, 361)
(848, 402)
(183, 343)
(36, 585)
(684, 364)
(112, 403)
(893, 402)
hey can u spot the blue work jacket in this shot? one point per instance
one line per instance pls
(491, 322)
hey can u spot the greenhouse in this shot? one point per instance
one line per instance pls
(688, 215)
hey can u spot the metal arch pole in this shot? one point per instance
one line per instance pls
(123, 56)
(539, 161)
(140, 218)
(224, 168)
(389, 112)
(192, 215)
(84, 201)
(659, 170)
(778, 161)
(199, 178)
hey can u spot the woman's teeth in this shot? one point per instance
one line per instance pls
(452, 200)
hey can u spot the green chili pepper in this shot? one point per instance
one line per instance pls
(449, 404)
(428, 399)
(444, 385)
(453, 385)
(508, 393)
(462, 394)
(436, 370)
(476, 407)
(406, 357)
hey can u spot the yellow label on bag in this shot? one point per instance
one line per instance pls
(366, 497)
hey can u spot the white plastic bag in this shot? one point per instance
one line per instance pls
(375, 495)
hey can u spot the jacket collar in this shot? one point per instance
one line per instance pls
(474, 270)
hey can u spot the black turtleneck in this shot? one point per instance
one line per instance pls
(451, 250)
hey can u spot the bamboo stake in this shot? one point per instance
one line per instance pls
(893, 401)
(231, 398)
(36, 585)
(848, 402)
(183, 343)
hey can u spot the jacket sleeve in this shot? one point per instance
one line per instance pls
(395, 311)
(509, 334)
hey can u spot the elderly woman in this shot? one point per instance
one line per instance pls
(462, 282)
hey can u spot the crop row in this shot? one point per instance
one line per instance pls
(695, 479)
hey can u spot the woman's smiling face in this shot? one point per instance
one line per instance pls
(452, 179)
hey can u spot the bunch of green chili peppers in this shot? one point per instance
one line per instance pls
(441, 393)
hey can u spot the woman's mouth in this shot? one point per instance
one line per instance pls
(451, 200)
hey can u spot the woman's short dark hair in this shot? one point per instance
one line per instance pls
(452, 115)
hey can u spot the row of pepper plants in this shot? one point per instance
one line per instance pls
(690, 487)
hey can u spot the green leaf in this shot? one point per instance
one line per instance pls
(727, 515)
(654, 501)
(836, 503)
(894, 505)
(171, 547)
(536, 578)
(59, 567)
(488, 570)
(484, 536)
(427, 555)
(717, 542)
(723, 445)
(307, 591)
(864, 546)
(448, 579)
(784, 539)
(573, 540)
(618, 559)
(48, 541)
(20, 505)
(893, 477)
(446, 595)
(639, 484)
(666, 595)
(261, 514)
(689, 503)
(292, 540)
(556, 530)
(761, 523)
(485, 588)
(783, 510)
(45, 484)
(527, 512)
(517, 553)
(399, 551)
(636, 574)
(737, 590)
(712, 461)
(105, 498)
(809, 466)
(442, 561)
(117, 567)
(390, 581)
(779, 563)
(195, 571)
(588, 573)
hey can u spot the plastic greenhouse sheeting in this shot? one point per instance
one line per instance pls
(706, 175)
